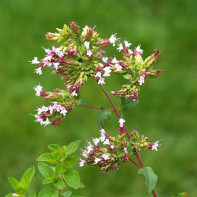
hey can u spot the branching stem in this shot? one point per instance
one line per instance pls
(127, 133)
(101, 108)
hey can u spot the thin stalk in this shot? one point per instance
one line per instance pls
(127, 133)
(93, 107)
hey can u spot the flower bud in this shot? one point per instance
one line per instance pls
(134, 135)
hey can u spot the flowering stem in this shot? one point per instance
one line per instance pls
(101, 108)
(127, 133)
(115, 110)
(134, 163)
(139, 159)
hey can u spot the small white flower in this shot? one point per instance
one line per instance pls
(121, 122)
(96, 141)
(97, 160)
(112, 146)
(130, 51)
(89, 53)
(114, 60)
(100, 64)
(118, 67)
(74, 93)
(106, 142)
(34, 61)
(102, 131)
(105, 59)
(63, 111)
(47, 51)
(155, 145)
(101, 81)
(81, 163)
(141, 80)
(87, 44)
(38, 71)
(42, 109)
(85, 153)
(120, 47)
(113, 39)
(102, 138)
(98, 74)
(38, 89)
(46, 122)
(105, 156)
(90, 147)
(139, 50)
(127, 44)
(107, 70)
(56, 65)
(58, 51)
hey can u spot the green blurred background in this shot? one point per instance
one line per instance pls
(167, 108)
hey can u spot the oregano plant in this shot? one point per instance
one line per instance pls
(80, 54)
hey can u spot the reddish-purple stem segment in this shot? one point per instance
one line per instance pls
(89, 106)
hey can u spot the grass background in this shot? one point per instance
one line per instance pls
(167, 108)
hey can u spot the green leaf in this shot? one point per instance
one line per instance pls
(126, 76)
(48, 180)
(72, 147)
(66, 194)
(72, 178)
(9, 195)
(150, 178)
(46, 157)
(59, 169)
(81, 102)
(60, 184)
(48, 192)
(81, 185)
(13, 182)
(77, 196)
(70, 162)
(103, 116)
(53, 147)
(27, 177)
(33, 194)
(46, 170)
(127, 103)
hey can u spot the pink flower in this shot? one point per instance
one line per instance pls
(141, 80)
(81, 162)
(38, 71)
(113, 39)
(38, 89)
(35, 61)
(97, 160)
(120, 47)
(105, 156)
(121, 122)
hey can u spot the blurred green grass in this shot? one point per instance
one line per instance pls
(167, 108)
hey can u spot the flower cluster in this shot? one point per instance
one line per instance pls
(62, 103)
(141, 142)
(106, 153)
(81, 55)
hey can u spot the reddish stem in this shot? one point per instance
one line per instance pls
(115, 110)
(101, 108)
(134, 162)
(127, 133)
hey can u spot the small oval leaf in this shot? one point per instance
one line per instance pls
(46, 192)
(72, 178)
(150, 177)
